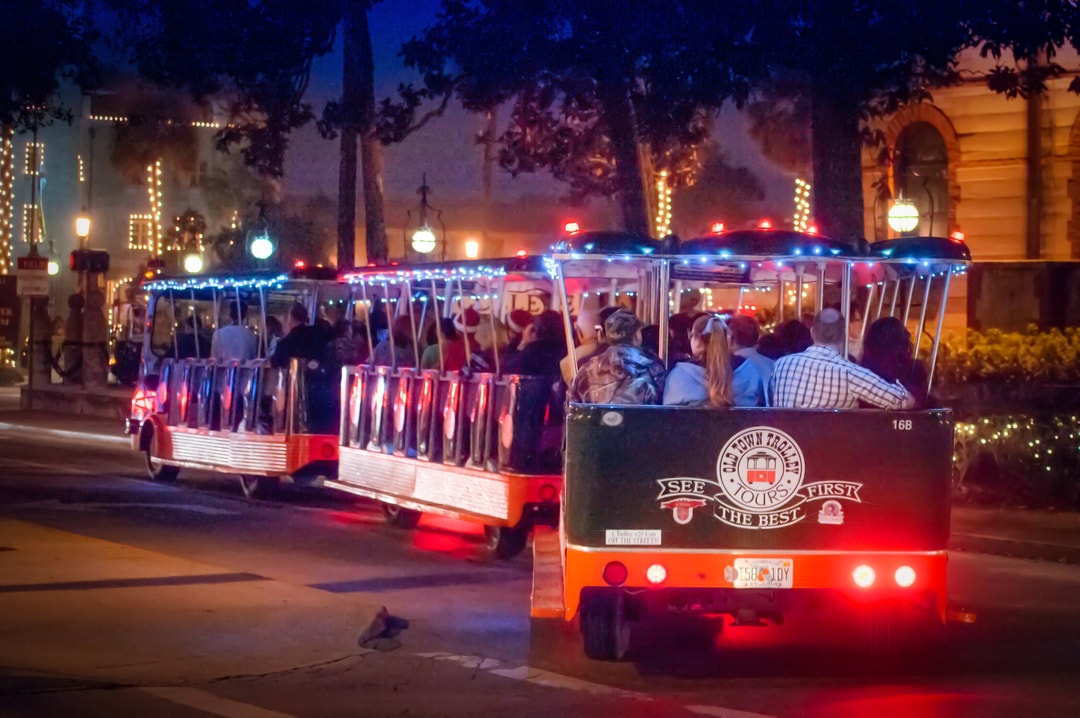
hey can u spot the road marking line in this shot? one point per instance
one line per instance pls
(208, 702)
(65, 434)
(558, 680)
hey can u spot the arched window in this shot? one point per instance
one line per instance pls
(921, 175)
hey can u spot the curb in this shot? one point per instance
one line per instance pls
(66, 434)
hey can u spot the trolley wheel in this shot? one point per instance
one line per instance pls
(400, 517)
(605, 631)
(157, 469)
(505, 542)
(259, 486)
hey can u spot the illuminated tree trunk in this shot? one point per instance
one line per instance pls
(371, 163)
(7, 195)
(837, 146)
(622, 126)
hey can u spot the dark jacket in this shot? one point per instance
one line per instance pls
(539, 358)
(623, 374)
(303, 342)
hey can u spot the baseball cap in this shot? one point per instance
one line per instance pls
(621, 327)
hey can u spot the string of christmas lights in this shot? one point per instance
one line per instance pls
(189, 283)
(7, 197)
(663, 206)
(802, 204)
(153, 185)
(422, 274)
(34, 158)
(140, 232)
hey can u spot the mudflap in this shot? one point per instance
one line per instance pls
(551, 636)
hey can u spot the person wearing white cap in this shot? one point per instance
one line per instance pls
(821, 378)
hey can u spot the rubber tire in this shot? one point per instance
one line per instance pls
(258, 487)
(505, 542)
(158, 471)
(605, 632)
(400, 517)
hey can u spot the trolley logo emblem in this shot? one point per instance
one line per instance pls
(760, 473)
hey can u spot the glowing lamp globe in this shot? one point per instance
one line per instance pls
(423, 240)
(903, 216)
(54, 267)
(472, 249)
(82, 226)
(262, 247)
(193, 263)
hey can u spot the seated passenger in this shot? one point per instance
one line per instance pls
(302, 342)
(453, 347)
(347, 349)
(542, 347)
(888, 352)
(705, 380)
(233, 341)
(516, 323)
(750, 382)
(397, 349)
(590, 326)
(820, 378)
(622, 373)
(491, 339)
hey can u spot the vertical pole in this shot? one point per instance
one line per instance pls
(195, 324)
(780, 301)
(176, 327)
(461, 304)
(438, 325)
(895, 296)
(389, 325)
(798, 292)
(866, 314)
(937, 335)
(495, 334)
(907, 302)
(262, 316)
(847, 308)
(367, 319)
(412, 322)
(922, 314)
(881, 298)
(561, 281)
(665, 280)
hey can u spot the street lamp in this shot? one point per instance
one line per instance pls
(472, 248)
(82, 227)
(423, 239)
(193, 263)
(262, 247)
(903, 216)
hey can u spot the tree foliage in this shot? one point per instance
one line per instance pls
(588, 85)
(41, 44)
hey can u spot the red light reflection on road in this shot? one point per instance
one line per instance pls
(443, 534)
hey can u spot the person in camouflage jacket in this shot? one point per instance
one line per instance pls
(622, 374)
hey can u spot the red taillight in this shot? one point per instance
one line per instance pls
(328, 451)
(716, 227)
(299, 264)
(571, 227)
(656, 574)
(765, 224)
(812, 229)
(547, 492)
(957, 236)
(615, 574)
(522, 254)
(905, 576)
(863, 576)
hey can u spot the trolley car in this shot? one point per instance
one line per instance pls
(757, 512)
(263, 423)
(481, 445)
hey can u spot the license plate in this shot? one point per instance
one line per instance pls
(763, 573)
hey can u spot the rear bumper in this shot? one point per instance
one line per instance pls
(712, 571)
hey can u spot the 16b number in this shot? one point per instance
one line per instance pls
(901, 424)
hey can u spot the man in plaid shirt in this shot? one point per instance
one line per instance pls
(820, 377)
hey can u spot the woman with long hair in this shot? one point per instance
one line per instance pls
(888, 352)
(705, 380)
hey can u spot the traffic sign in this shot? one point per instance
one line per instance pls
(33, 274)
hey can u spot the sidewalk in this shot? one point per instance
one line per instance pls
(1021, 533)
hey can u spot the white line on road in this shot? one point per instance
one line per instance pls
(557, 680)
(65, 434)
(208, 702)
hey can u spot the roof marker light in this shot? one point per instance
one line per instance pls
(571, 227)
(812, 229)
(299, 264)
(716, 227)
(521, 253)
(957, 236)
(765, 224)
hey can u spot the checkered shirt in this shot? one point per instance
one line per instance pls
(819, 378)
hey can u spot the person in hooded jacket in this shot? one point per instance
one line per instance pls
(623, 373)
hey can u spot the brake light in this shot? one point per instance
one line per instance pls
(615, 574)
(905, 576)
(547, 492)
(656, 574)
(863, 576)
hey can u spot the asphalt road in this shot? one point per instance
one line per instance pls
(466, 650)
